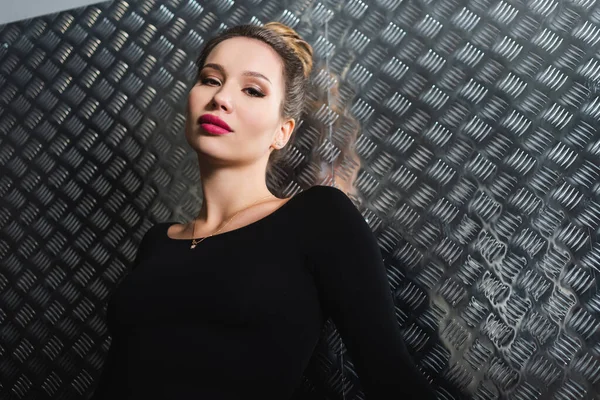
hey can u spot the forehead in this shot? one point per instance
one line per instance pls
(241, 54)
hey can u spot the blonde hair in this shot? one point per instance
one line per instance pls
(299, 46)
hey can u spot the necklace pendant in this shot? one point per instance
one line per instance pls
(193, 246)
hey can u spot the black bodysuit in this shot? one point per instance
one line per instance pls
(240, 315)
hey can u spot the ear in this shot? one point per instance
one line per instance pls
(284, 133)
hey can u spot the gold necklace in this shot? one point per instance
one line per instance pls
(195, 241)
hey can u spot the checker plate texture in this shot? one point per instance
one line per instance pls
(480, 174)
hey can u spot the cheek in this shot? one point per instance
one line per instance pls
(194, 99)
(262, 116)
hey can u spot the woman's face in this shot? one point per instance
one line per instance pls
(242, 83)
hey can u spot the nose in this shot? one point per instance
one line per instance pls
(222, 100)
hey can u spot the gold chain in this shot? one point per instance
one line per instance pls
(195, 242)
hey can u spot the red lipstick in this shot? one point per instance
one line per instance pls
(213, 124)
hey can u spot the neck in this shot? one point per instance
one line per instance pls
(227, 190)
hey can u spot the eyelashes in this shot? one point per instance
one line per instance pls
(253, 92)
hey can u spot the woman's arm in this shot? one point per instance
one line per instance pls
(101, 390)
(355, 292)
(111, 365)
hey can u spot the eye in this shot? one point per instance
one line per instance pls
(254, 92)
(209, 81)
(213, 82)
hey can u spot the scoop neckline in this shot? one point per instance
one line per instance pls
(257, 222)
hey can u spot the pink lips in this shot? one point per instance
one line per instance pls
(214, 125)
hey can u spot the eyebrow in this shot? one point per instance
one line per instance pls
(220, 68)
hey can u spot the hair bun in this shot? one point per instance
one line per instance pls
(298, 45)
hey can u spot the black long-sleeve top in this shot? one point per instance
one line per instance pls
(240, 315)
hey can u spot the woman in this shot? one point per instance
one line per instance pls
(231, 304)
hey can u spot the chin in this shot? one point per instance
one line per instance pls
(211, 155)
(198, 141)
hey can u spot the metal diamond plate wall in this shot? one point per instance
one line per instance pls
(477, 165)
